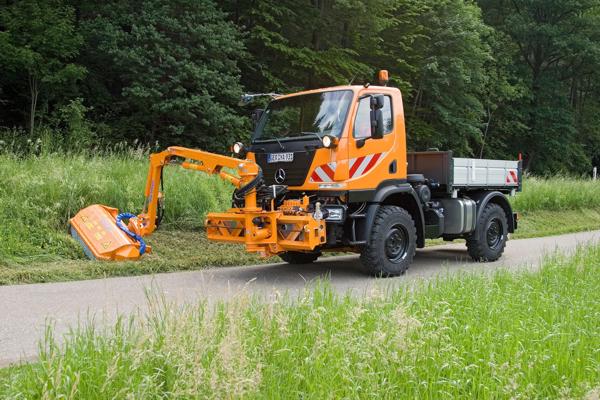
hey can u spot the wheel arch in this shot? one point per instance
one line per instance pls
(483, 198)
(402, 195)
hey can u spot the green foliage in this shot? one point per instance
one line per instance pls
(482, 78)
(77, 130)
(38, 43)
(309, 44)
(443, 57)
(558, 56)
(524, 335)
(171, 68)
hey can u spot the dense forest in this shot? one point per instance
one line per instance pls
(489, 78)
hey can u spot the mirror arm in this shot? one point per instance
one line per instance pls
(361, 142)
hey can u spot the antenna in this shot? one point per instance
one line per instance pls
(248, 98)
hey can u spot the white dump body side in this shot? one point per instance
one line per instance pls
(477, 172)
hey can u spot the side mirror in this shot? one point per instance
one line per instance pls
(256, 114)
(377, 124)
(377, 102)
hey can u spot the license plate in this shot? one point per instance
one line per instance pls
(280, 157)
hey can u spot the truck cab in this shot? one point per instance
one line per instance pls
(345, 149)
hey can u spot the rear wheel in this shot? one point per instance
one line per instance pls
(392, 243)
(488, 240)
(297, 257)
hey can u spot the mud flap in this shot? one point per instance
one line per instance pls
(95, 228)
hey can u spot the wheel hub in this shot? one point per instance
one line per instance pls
(494, 233)
(396, 243)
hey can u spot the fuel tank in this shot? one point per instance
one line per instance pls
(460, 215)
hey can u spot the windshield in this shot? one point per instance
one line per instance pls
(306, 115)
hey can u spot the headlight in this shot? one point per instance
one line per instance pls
(335, 213)
(237, 147)
(328, 141)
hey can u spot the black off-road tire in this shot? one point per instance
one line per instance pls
(298, 257)
(488, 240)
(392, 243)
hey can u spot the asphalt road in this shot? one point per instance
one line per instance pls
(25, 310)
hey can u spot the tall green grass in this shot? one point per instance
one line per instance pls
(39, 194)
(557, 194)
(506, 336)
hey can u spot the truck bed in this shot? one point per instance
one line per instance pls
(465, 173)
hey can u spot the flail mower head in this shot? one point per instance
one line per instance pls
(95, 227)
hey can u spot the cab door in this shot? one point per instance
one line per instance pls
(371, 161)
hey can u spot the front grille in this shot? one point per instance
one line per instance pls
(304, 150)
(295, 171)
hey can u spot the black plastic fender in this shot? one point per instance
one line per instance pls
(482, 198)
(400, 194)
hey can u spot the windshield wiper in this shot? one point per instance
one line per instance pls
(280, 145)
(269, 140)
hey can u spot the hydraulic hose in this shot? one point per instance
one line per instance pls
(240, 194)
(133, 235)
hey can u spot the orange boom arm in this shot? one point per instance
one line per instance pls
(198, 160)
(290, 228)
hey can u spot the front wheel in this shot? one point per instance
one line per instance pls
(392, 243)
(488, 240)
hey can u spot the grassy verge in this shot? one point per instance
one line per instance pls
(38, 196)
(190, 250)
(525, 335)
(172, 251)
(548, 223)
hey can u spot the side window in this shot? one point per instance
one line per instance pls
(362, 123)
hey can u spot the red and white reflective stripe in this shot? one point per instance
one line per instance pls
(324, 173)
(361, 165)
(358, 166)
(512, 177)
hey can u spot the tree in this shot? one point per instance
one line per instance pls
(38, 43)
(167, 70)
(438, 49)
(558, 45)
(308, 44)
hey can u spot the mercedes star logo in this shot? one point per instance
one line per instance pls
(280, 175)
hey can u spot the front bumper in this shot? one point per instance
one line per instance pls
(266, 232)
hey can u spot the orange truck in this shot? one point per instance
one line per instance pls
(328, 170)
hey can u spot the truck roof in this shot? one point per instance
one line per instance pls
(354, 88)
